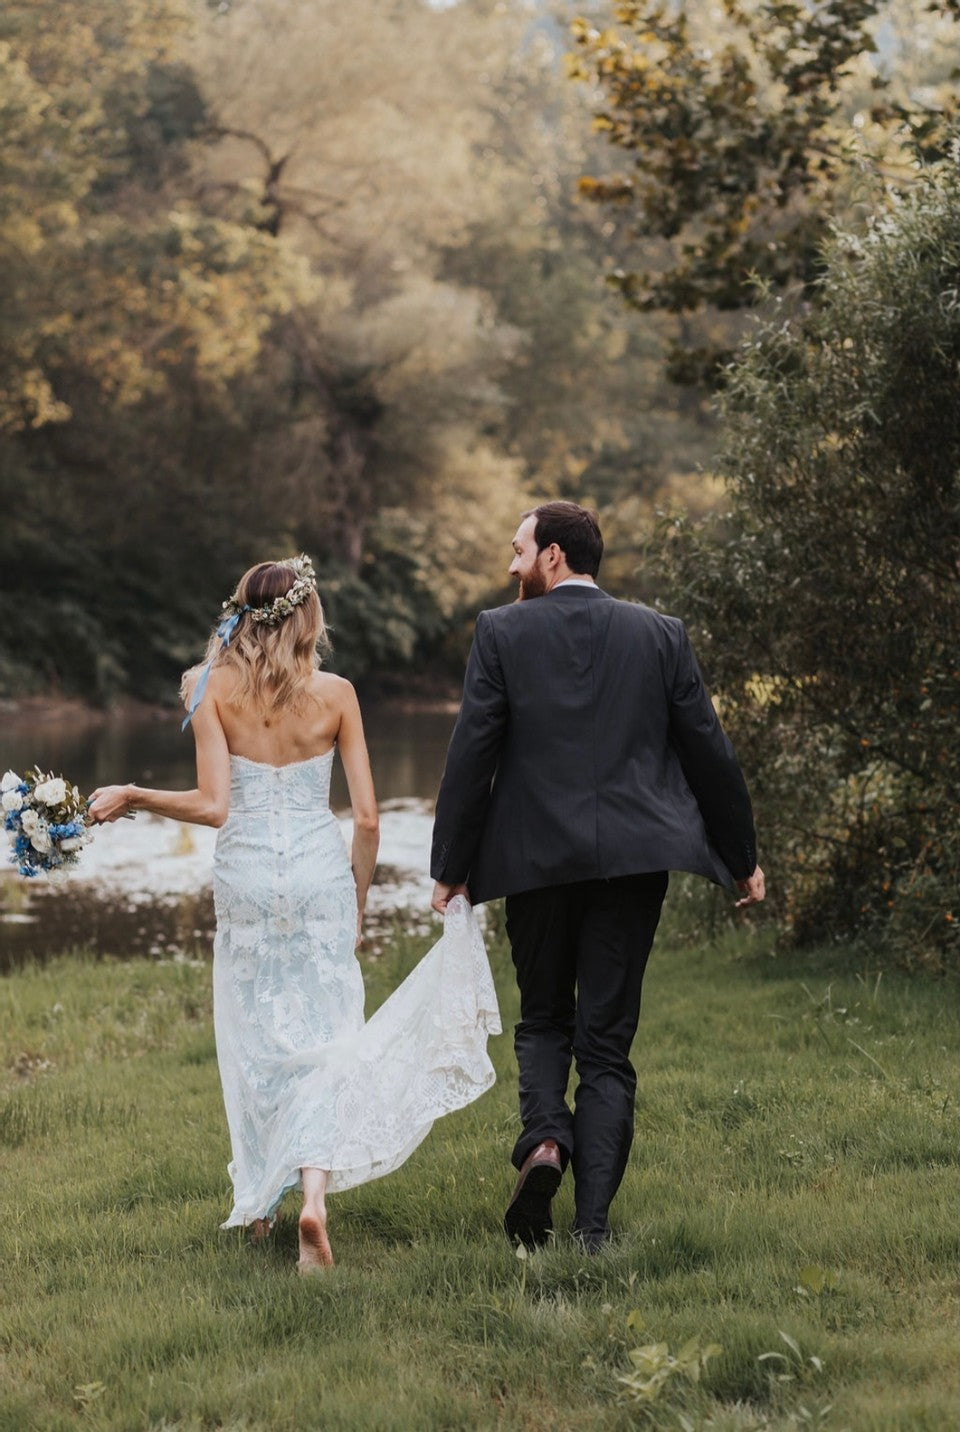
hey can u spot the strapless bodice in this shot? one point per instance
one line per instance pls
(301, 785)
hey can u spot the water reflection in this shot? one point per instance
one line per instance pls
(83, 917)
(158, 902)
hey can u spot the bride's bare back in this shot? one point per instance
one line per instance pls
(282, 737)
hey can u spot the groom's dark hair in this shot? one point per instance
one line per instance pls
(575, 530)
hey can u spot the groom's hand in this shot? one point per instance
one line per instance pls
(443, 894)
(752, 890)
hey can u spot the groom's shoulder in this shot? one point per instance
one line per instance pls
(518, 619)
(650, 618)
(511, 616)
(658, 630)
(518, 615)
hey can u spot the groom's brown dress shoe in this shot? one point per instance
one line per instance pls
(527, 1218)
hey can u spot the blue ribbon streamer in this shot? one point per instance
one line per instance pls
(224, 631)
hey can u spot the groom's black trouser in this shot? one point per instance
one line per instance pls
(580, 952)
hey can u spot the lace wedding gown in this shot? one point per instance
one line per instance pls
(306, 1082)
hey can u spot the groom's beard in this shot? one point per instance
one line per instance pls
(534, 585)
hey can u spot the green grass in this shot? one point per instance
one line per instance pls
(792, 1175)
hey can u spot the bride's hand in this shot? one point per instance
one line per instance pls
(359, 939)
(110, 803)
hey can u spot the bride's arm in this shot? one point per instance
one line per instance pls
(363, 800)
(206, 804)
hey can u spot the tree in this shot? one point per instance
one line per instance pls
(358, 146)
(589, 413)
(423, 162)
(131, 314)
(111, 270)
(828, 595)
(743, 135)
(279, 280)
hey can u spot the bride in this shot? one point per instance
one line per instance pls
(315, 1098)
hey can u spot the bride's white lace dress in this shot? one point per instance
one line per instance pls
(306, 1083)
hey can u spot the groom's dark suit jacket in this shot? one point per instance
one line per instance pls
(586, 747)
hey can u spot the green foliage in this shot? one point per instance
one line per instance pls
(114, 274)
(828, 596)
(740, 144)
(269, 289)
(268, 292)
(135, 318)
(171, 407)
(383, 618)
(654, 1366)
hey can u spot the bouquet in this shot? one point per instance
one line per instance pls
(46, 820)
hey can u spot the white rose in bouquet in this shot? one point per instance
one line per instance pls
(51, 792)
(44, 817)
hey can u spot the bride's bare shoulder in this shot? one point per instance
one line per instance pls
(223, 683)
(331, 689)
(219, 682)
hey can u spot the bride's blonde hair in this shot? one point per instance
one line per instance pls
(276, 646)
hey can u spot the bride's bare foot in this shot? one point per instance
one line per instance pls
(260, 1230)
(315, 1252)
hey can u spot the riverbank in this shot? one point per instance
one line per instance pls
(786, 1219)
(34, 711)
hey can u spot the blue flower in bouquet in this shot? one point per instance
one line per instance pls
(45, 818)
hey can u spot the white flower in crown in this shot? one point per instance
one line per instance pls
(11, 800)
(273, 613)
(10, 781)
(52, 792)
(40, 839)
(30, 821)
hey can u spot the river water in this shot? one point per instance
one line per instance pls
(143, 886)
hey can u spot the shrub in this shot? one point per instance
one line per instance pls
(828, 596)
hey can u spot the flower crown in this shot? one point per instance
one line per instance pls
(273, 613)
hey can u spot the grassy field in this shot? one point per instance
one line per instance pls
(787, 1226)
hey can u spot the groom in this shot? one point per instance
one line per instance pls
(586, 762)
